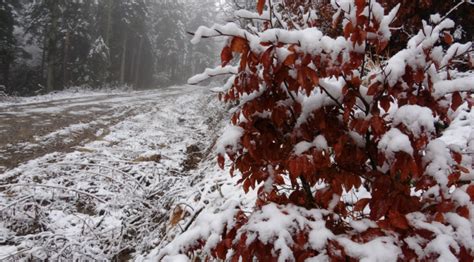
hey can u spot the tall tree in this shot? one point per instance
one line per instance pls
(7, 41)
(53, 9)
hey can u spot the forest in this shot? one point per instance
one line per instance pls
(49, 45)
(237, 130)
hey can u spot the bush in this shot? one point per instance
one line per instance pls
(346, 153)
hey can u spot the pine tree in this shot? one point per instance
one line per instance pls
(124, 29)
(97, 64)
(7, 42)
(78, 35)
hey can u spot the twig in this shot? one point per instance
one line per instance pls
(54, 187)
(193, 218)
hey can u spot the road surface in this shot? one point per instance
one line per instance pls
(31, 130)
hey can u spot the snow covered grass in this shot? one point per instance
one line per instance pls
(71, 92)
(118, 197)
(111, 198)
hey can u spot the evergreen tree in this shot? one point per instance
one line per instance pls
(97, 43)
(7, 42)
(97, 63)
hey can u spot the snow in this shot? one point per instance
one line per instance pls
(416, 119)
(395, 141)
(438, 159)
(210, 72)
(319, 143)
(362, 225)
(447, 237)
(463, 229)
(318, 99)
(242, 13)
(279, 223)
(230, 138)
(131, 195)
(5, 251)
(72, 92)
(218, 30)
(378, 249)
(387, 20)
(445, 87)
(177, 258)
(442, 245)
(66, 190)
(454, 50)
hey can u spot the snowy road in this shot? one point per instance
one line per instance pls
(96, 177)
(30, 130)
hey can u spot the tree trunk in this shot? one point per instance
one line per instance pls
(108, 33)
(131, 72)
(138, 62)
(124, 59)
(43, 56)
(6, 77)
(52, 49)
(66, 59)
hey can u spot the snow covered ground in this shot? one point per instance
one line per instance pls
(69, 93)
(35, 126)
(111, 197)
(143, 184)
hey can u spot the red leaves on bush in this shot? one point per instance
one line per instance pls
(457, 101)
(260, 6)
(470, 192)
(309, 154)
(239, 45)
(226, 55)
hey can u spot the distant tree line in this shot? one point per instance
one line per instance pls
(48, 45)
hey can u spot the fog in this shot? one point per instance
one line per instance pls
(52, 45)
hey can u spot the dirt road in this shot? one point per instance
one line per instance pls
(31, 130)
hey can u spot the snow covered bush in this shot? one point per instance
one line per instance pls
(347, 158)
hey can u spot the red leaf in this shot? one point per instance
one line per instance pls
(221, 161)
(260, 6)
(398, 220)
(360, 205)
(239, 45)
(456, 101)
(381, 46)
(360, 4)
(470, 101)
(445, 206)
(463, 211)
(448, 38)
(279, 179)
(470, 192)
(463, 169)
(373, 89)
(294, 168)
(301, 239)
(348, 30)
(246, 185)
(439, 217)
(378, 125)
(385, 103)
(267, 58)
(290, 60)
(221, 250)
(457, 157)
(419, 76)
(312, 75)
(378, 208)
(226, 55)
